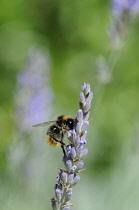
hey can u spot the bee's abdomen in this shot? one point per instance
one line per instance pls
(51, 141)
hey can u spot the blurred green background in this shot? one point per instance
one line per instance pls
(74, 34)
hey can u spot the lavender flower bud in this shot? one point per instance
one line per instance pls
(82, 98)
(83, 86)
(63, 177)
(68, 147)
(80, 116)
(73, 153)
(85, 126)
(83, 141)
(77, 141)
(83, 153)
(76, 180)
(68, 195)
(70, 178)
(79, 150)
(79, 165)
(87, 89)
(54, 204)
(68, 165)
(90, 97)
(74, 137)
(58, 193)
(87, 107)
(78, 127)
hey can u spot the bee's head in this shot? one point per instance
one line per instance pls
(65, 121)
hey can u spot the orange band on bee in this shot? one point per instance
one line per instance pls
(51, 141)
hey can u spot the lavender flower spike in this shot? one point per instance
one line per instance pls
(75, 152)
(129, 7)
(123, 12)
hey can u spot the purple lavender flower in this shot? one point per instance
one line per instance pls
(68, 195)
(122, 7)
(123, 11)
(33, 95)
(33, 104)
(75, 152)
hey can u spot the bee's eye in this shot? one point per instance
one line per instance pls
(70, 124)
(70, 121)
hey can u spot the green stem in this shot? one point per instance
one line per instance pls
(62, 199)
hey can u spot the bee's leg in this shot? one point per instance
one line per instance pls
(63, 149)
(61, 142)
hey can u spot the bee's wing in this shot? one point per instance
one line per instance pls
(43, 124)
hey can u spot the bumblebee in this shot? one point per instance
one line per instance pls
(56, 131)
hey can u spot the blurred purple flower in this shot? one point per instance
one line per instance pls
(33, 104)
(122, 7)
(33, 95)
(133, 6)
(123, 12)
